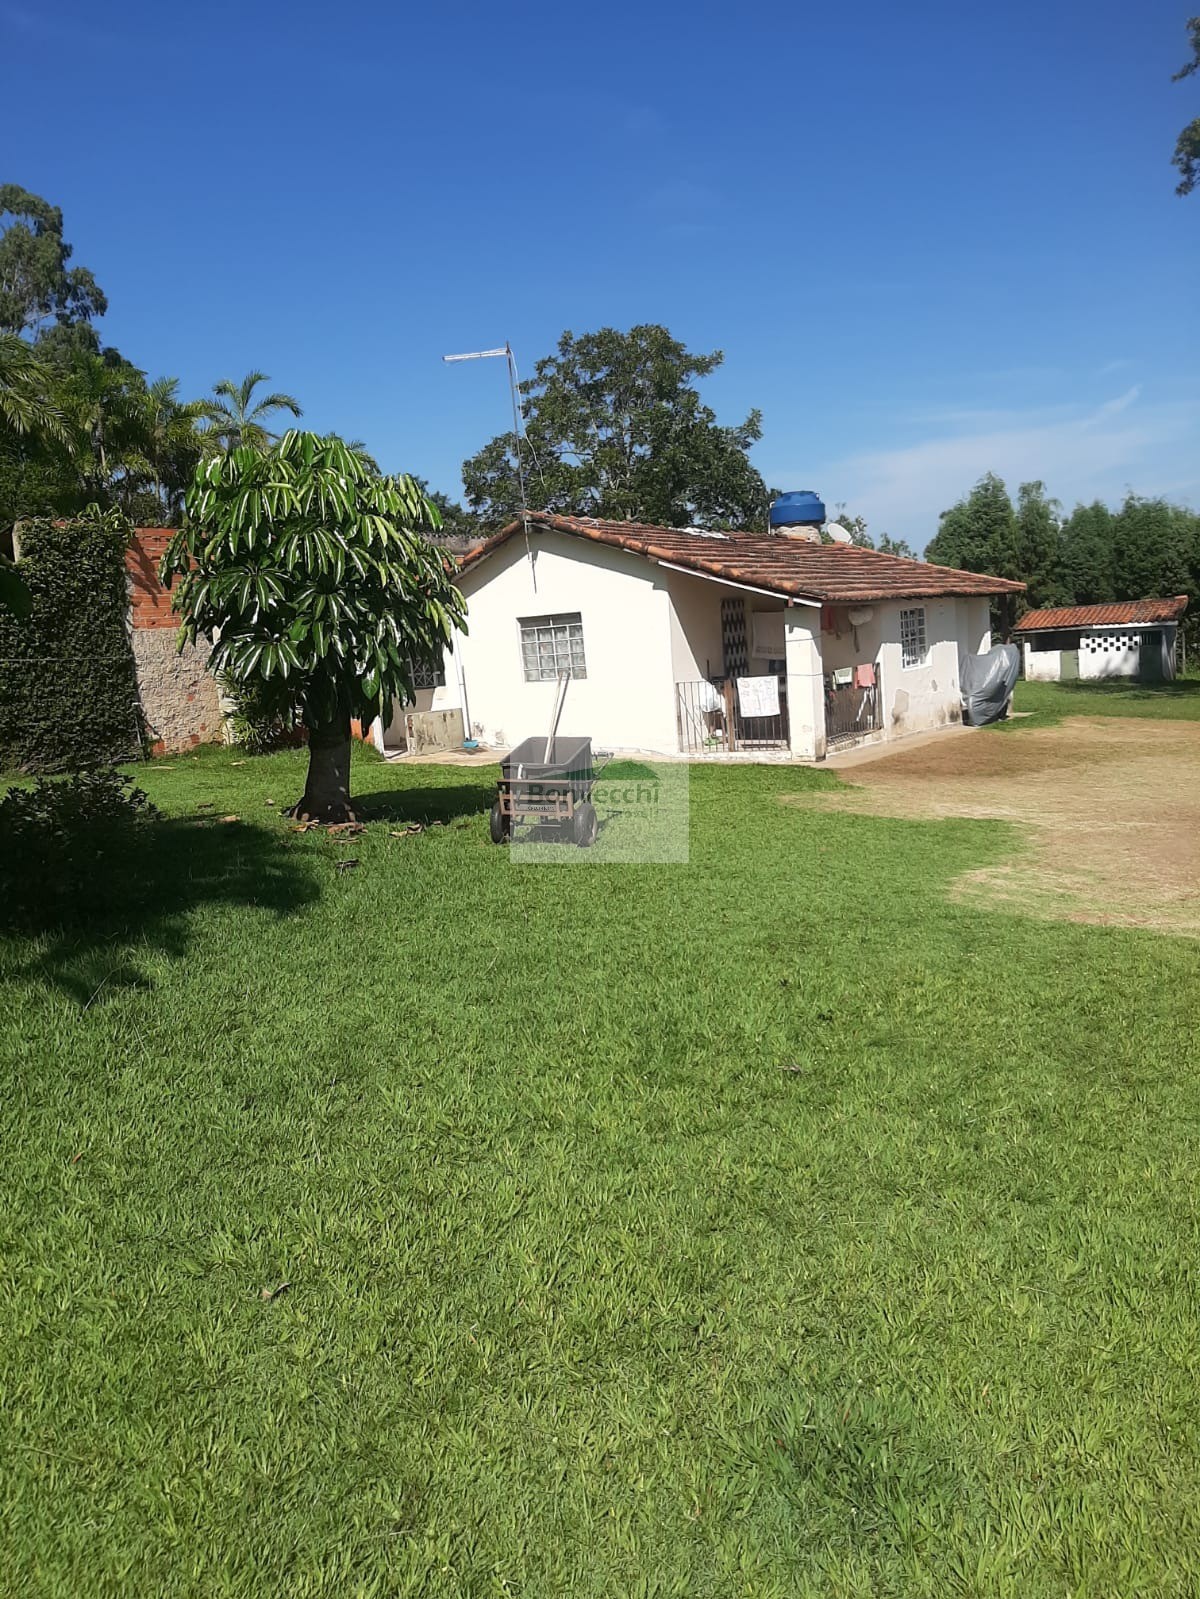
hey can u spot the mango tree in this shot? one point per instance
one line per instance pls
(311, 574)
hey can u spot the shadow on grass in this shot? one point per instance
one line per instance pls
(426, 804)
(139, 891)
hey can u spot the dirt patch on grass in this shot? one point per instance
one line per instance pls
(1111, 807)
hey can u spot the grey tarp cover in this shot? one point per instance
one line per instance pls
(987, 683)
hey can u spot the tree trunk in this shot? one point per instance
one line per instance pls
(327, 787)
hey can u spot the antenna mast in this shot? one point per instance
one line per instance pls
(514, 389)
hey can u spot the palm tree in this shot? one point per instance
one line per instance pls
(27, 404)
(236, 418)
(173, 441)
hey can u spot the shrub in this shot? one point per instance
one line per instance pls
(55, 835)
(257, 724)
(68, 684)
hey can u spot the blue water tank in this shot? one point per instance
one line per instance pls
(802, 508)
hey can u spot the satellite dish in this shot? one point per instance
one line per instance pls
(838, 533)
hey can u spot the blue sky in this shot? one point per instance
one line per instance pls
(931, 240)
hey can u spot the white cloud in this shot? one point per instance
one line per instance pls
(1081, 454)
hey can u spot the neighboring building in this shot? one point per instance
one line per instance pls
(179, 697)
(679, 640)
(1130, 638)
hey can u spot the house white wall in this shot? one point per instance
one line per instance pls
(648, 627)
(697, 649)
(917, 698)
(1104, 652)
(1041, 666)
(627, 699)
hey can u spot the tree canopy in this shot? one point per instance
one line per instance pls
(36, 284)
(79, 423)
(312, 573)
(1148, 547)
(237, 417)
(1187, 146)
(979, 533)
(616, 428)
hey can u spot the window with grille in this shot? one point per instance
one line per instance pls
(552, 644)
(914, 651)
(427, 675)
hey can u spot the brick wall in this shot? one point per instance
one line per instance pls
(179, 697)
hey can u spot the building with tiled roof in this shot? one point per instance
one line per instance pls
(704, 642)
(1122, 638)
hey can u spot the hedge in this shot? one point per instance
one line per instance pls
(68, 685)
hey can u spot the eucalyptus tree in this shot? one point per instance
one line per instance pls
(313, 575)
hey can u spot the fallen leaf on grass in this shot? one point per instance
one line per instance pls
(237, 763)
(407, 832)
(274, 1293)
(792, 1066)
(344, 866)
(206, 805)
(268, 802)
(350, 829)
(231, 818)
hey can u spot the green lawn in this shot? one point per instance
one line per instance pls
(768, 1225)
(1046, 703)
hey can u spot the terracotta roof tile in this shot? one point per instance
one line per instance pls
(788, 567)
(1121, 613)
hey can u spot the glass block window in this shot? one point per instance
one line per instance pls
(914, 650)
(552, 644)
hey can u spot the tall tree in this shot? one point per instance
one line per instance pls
(1187, 146)
(1039, 558)
(173, 442)
(617, 428)
(1156, 549)
(1087, 555)
(979, 534)
(236, 417)
(37, 286)
(312, 573)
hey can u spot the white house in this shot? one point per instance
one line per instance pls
(680, 641)
(1131, 638)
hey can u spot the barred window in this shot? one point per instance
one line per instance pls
(552, 644)
(427, 675)
(914, 651)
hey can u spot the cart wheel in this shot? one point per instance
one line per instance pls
(498, 824)
(585, 825)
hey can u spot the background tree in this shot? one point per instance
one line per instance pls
(617, 429)
(27, 403)
(1187, 146)
(1088, 576)
(1039, 555)
(1156, 549)
(890, 546)
(315, 574)
(36, 285)
(979, 534)
(173, 442)
(459, 530)
(860, 534)
(237, 418)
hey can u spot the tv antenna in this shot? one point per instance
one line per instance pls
(514, 389)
